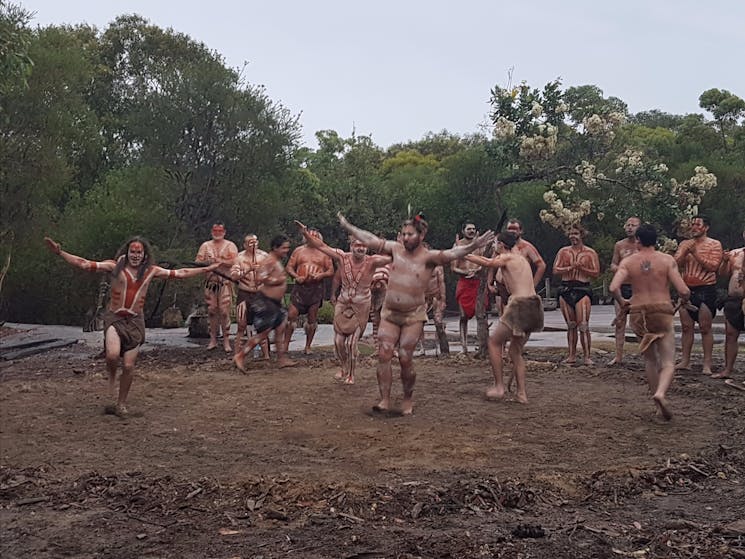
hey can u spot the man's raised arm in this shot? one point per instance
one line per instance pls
(315, 242)
(444, 256)
(368, 239)
(79, 261)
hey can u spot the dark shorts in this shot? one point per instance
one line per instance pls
(247, 297)
(574, 291)
(733, 313)
(626, 291)
(703, 295)
(304, 296)
(130, 329)
(268, 314)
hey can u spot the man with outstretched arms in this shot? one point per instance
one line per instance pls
(309, 267)
(245, 272)
(218, 290)
(267, 306)
(522, 315)
(622, 249)
(404, 314)
(466, 291)
(651, 311)
(352, 306)
(733, 265)
(576, 264)
(698, 259)
(131, 270)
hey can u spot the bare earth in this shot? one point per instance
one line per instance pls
(287, 463)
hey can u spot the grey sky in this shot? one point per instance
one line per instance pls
(396, 70)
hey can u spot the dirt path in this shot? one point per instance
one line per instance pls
(282, 463)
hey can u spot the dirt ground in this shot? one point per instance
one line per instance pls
(288, 463)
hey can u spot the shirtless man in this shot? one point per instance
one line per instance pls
(218, 291)
(733, 265)
(244, 271)
(403, 315)
(309, 267)
(132, 270)
(522, 315)
(699, 258)
(352, 305)
(576, 264)
(267, 306)
(650, 274)
(466, 292)
(622, 249)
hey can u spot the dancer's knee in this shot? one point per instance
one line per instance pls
(583, 327)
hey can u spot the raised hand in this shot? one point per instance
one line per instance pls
(485, 239)
(52, 245)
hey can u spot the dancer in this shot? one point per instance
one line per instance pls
(733, 265)
(403, 314)
(650, 274)
(132, 270)
(352, 305)
(622, 249)
(244, 271)
(576, 264)
(468, 283)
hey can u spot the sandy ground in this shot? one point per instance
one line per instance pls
(288, 463)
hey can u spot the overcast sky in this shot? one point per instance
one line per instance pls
(396, 70)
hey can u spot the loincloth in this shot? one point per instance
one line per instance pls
(130, 329)
(574, 291)
(734, 312)
(306, 295)
(404, 318)
(523, 315)
(466, 293)
(349, 317)
(268, 313)
(650, 322)
(703, 295)
(243, 305)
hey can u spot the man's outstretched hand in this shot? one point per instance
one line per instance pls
(52, 245)
(485, 239)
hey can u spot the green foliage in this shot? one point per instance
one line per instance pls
(326, 313)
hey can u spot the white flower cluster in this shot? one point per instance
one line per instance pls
(602, 128)
(629, 161)
(650, 189)
(536, 109)
(561, 216)
(587, 171)
(504, 129)
(690, 193)
(540, 146)
(562, 107)
(660, 168)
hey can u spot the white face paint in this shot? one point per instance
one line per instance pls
(135, 254)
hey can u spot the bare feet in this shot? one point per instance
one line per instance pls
(407, 407)
(662, 405)
(285, 362)
(589, 362)
(349, 380)
(615, 361)
(212, 345)
(339, 375)
(682, 366)
(227, 348)
(570, 361)
(382, 406)
(308, 351)
(495, 392)
(521, 397)
(706, 371)
(721, 374)
(239, 363)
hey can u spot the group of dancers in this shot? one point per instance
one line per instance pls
(403, 276)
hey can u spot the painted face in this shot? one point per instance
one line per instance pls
(469, 231)
(410, 238)
(698, 228)
(630, 227)
(218, 232)
(358, 248)
(575, 237)
(515, 228)
(250, 242)
(135, 253)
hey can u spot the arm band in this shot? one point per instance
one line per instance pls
(93, 266)
(171, 274)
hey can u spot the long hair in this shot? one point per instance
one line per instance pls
(121, 257)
